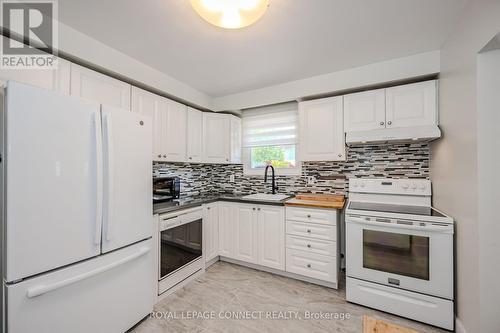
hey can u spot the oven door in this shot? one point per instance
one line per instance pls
(416, 256)
(180, 243)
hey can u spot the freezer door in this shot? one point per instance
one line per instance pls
(127, 147)
(53, 180)
(107, 294)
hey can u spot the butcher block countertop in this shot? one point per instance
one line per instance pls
(333, 201)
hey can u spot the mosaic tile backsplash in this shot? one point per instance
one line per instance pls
(364, 161)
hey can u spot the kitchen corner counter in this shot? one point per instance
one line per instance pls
(317, 201)
(190, 202)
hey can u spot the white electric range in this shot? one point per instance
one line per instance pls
(399, 250)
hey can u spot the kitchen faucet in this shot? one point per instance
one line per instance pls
(273, 182)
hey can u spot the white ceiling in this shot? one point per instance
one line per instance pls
(295, 39)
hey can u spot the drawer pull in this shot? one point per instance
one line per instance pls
(309, 230)
(309, 215)
(309, 245)
(308, 265)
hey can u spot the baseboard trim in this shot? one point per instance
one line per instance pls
(211, 262)
(459, 327)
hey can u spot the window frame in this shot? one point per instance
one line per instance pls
(249, 171)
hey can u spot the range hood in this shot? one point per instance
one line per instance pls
(397, 135)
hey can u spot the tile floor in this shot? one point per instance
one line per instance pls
(226, 290)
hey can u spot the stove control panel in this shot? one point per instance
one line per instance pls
(390, 186)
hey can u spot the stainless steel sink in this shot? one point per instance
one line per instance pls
(265, 197)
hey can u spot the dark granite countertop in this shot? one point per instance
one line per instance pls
(190, 202)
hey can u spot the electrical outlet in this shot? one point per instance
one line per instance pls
(311, 180)
(231, 178)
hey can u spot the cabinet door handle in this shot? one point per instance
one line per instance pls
(164, 156)
(309, 230)
(309, 245)
(208, 208)
(308, 216)
(159, 156)
(253, 208)
(389, 122)
(308, 265)
(340, 155)
(190, 158)
(381, 123)
(258, 208)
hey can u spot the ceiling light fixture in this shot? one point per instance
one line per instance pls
(230, 14)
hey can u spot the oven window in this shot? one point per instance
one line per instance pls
(180, 246)
(401, 254)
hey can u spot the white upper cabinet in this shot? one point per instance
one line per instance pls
(148, 104)
(194, 135)
(411, 105)
(322, 130)
(51, 79)
(95, 86)
(173, 130)
(364, 111)
(169, 124)
(235, 140)
(216, 138)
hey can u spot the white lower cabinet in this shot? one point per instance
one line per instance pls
(227, 218)
(311, 243)
(260, 235)
(271, 237)
(252, 233)
(246, 233)
(211, 231)
(310, 264)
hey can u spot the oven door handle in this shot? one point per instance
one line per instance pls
(442, 229)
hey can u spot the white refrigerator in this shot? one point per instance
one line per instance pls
(77, 254)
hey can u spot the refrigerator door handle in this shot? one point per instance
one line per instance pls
(98, 148)
(110, 168)
(43, 289)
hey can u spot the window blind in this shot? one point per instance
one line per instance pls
(270, 126)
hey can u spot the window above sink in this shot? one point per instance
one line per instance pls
(270, 137)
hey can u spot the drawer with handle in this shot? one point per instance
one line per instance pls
(312, 230)
(315, 215)
(312, 265)
(327, 248)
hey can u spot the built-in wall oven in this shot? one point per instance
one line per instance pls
(180, 247)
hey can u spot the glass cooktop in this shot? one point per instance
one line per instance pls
(398, 209)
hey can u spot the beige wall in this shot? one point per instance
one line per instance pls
(488, 138)
(454, 169)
